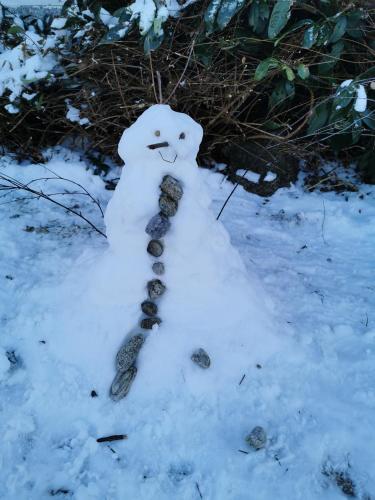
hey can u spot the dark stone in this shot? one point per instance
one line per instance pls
(155, 289)
(257, 438)
(148, 323)
(158, 268)
(122, 383)
(128, 353)
(172, 187)
(167, 206)
(94, 394)
(149, 308)
(158, 226)
(155, 248)
(201, 358)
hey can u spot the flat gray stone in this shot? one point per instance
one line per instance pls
(172, 187)
(201, 358)
(257, 438)
(149, 308)
(155, 289)
(148, 323)
(128, 353)
(158, 268)
(122, 383)
(167, 205)
(158, 226)
(155, 248)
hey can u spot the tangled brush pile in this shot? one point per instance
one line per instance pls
(270, 81)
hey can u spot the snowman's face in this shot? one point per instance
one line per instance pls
(161, 135)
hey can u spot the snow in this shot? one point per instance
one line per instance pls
(145, 10)
(18, 68)
(271, 176)
(249, 175)
(73, 114)
(313, 256)
(360, 104)
(346, 83)
(58, 23)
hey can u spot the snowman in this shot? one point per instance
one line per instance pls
(202, 318)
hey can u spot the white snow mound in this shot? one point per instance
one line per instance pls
(210, 302)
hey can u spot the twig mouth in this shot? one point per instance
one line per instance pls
(164, 144)
(168, 161)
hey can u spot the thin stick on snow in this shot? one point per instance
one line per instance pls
(199, 491)
(323, 221)
(229, 197)
(114, 437)
(15, 184)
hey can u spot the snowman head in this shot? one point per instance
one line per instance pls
(161, 135)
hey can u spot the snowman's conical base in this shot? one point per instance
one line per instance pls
(210, 301)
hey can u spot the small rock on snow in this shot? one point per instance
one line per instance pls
(155, 289)
(172, 187)
(149, 308)
(201, 358)
(155, 248)
(167, 205)
(148, 323)
(257, 438)
(121, 383)
(158, 268)
(158, 226)
(128, 353)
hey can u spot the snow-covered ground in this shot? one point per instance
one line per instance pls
(313, 253)
(33, 3)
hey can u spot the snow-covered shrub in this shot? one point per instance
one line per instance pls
(274, 72)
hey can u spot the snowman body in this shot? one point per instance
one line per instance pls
(209, 301)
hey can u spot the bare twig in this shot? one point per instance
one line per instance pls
(17, 185)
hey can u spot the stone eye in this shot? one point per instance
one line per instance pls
(157, 133)
(182, 135)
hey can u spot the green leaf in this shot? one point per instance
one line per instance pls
(330, 60)
(15, 30)
(124, 14)
(303, 71)
(339, 29)
(289, 73)
(227, 10)
(254, 16)
(345, 96)
(152, 40)
(295, 27)
(309, 37)
(259, 13)
(283, 91)
(210, 15)
(264, 67)
(369, 119)
(116, 33)
(324, 34)
(279, 17)
(357, 131)
(353, 28)
(319, 118)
